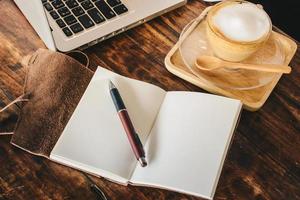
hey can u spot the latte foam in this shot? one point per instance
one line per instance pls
(242, 22)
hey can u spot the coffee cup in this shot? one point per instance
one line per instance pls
(237, 29)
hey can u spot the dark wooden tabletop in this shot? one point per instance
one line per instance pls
(263, 161)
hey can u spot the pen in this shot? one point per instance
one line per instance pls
(132, 136)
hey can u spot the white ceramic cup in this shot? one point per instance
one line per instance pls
(235, 32)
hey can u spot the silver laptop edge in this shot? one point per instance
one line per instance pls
(54, 38)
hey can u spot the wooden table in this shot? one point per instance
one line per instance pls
(263, 161)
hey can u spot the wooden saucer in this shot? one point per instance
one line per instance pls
(226, 83)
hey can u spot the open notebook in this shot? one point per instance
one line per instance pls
(186, 135)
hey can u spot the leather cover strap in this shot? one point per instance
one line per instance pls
(54, 85)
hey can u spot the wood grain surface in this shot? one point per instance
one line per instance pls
(263, 161)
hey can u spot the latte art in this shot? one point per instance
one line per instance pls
(243, 22)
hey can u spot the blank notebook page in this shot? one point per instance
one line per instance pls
(94, 139)
(188, 143)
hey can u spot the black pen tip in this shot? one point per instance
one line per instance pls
(143, 162)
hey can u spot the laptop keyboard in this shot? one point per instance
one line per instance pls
(73, 16)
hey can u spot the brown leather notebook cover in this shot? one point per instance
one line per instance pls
(54, 85)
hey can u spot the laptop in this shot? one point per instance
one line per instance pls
(65, 25)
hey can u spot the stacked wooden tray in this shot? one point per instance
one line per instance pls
(278, 50)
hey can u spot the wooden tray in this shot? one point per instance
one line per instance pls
(252, 99)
